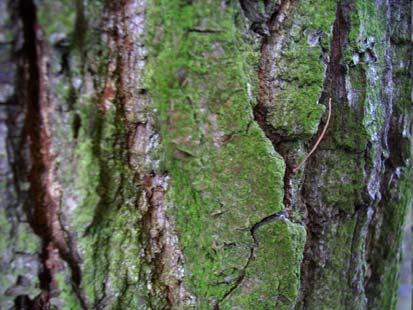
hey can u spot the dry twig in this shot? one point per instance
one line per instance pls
(318, 140)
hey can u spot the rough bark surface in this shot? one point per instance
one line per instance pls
(148, 152)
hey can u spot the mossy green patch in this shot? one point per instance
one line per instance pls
(107, 214)
(57, 17)
(66, 294)
(6, 279)
(300, 70)
(222, 190)
(366, 48)
(347, 127)
(224, 174)
(5, 228)
(339, 182)
(270, 280)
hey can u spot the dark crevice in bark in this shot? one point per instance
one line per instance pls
(281, 145)
(316, 221)
(279, 140)
(81, 30)
(14, 280)
(43, 218)
(206, 31)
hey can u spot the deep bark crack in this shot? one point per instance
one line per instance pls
(43, 217)
(269, 48)
(318, 216)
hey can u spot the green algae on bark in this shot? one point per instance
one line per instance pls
(347, 200)
(300, 70)
(178, 107)
(212, 149)
(270, 279)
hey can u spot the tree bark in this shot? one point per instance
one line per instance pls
(151, 149)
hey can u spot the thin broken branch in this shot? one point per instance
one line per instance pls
(318, 140)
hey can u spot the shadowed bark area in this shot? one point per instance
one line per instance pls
(149, 153)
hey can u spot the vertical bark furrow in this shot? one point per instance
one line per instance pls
(343, 244)
(321, 216)
(124, 87)
(270, 50)
(43, 218)
(162, 248)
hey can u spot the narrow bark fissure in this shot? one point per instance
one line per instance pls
(334, 87)
(43, 218)
(280, 144)
(241, 276)
(269, 48)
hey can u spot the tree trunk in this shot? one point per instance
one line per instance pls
(151, 149)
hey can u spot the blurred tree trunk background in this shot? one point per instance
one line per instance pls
(149, 153)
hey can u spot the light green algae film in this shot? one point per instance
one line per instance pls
(200, 69)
